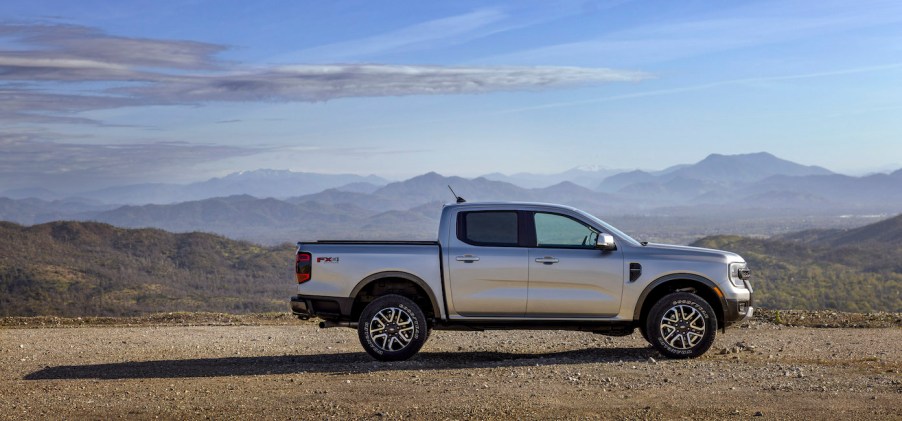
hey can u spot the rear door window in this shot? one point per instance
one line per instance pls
(490, 228)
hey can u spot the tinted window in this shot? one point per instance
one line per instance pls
(561, 231)
(491, 228)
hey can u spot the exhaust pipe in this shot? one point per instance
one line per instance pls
(327, 324)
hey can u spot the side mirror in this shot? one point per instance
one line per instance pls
(605, 242)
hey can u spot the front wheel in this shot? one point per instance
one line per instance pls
(681, 325)
(392, 328)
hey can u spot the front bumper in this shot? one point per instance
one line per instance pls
(737, 311)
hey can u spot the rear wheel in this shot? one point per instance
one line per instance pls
(392, 328)
(681, 325)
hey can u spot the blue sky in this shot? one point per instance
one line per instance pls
(96, 93)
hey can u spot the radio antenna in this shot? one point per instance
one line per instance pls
(458, 198)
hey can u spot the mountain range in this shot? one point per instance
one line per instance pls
(753, 194)
(585, 176)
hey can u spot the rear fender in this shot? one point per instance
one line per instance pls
(436, 309)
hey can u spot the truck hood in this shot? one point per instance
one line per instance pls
(687, 252)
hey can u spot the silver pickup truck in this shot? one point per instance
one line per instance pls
(521, 266)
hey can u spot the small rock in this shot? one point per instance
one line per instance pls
(759, 414)
(652, 360)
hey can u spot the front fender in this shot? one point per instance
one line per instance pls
(676, 277)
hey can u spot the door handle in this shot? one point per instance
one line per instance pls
(469, 258)
(548, 260)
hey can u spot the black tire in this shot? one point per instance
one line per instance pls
(681, 325)
(392, 328)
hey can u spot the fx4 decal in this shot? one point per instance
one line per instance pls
(326, 260)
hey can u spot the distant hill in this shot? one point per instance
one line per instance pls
(433, 187)
(270, 221)
(714, 172)
(857, 270)
(585, 176)
(744, 168)
(617, 182)
(35, 211)
(359, 187)
(851, 192)
(81, 269)
(757, 181)
(884, 233)
(32, 193)
(260, 183)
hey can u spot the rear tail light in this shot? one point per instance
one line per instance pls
(302, 266)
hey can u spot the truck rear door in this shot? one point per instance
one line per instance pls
(488, 265)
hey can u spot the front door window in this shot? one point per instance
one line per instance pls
(560, 231)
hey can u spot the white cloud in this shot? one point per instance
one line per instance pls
(325, 82)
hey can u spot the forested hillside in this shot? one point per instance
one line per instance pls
(78, 269)
(856, 270)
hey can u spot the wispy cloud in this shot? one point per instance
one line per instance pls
(79, 47)
(449, 31)
(42, 77)
(34, 105)
(326, 82)
(749, 25)
(430, 34)
(711, 85)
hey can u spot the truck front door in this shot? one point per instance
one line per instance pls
(568, 276)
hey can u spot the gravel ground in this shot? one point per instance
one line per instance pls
(282, 368)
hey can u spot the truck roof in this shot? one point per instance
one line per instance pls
(510, 205)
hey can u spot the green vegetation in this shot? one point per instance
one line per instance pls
(93, 269)
(858, 270)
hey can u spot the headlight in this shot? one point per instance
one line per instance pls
(739, 272)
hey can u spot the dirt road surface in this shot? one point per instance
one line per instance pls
(294, 370)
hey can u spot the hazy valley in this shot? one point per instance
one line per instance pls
(815, 239)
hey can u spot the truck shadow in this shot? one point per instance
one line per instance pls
(345, 363)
